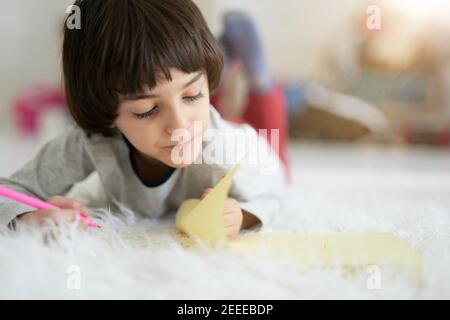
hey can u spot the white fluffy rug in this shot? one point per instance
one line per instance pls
(336, 188)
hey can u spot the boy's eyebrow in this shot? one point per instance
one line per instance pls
(194, 79)
(140, 96)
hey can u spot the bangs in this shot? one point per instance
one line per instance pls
(144, 49)
(125, 45)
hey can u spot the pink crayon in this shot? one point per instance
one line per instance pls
(36, 203)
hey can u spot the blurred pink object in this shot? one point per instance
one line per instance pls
(29, 107)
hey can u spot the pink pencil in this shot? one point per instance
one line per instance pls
(36, 203)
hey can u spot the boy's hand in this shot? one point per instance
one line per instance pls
(70, 209)
(233, 216)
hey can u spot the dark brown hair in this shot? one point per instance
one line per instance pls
(125, 44)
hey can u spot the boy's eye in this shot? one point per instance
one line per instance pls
(194, 98)
(155, 109)
(146, 114)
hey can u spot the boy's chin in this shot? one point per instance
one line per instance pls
(181, 166)
(179, 163)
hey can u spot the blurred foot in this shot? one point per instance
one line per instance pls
(241, 40)
(232, 100)
(330, 115)
(346, 106)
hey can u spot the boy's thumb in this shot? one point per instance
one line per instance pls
(205, 193)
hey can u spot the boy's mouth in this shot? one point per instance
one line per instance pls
(180, 145)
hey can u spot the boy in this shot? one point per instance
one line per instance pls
(138, 75)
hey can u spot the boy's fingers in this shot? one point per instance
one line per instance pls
(230, 205)
(230, 226)
(67, 203)
(63, 215)
(68, 216)
(231, 233)
(205, 193)
(229, 220)
(82, 224)
(59, 217)
(84, 213)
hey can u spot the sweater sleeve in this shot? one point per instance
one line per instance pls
(60, 164)
(259, 184)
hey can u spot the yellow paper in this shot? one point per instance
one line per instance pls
(327, 250)
(203, 219)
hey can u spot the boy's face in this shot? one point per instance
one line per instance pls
(152, 122)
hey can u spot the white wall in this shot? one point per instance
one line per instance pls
(295, 32)
(29, 54)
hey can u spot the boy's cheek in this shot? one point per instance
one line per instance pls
(206, 118)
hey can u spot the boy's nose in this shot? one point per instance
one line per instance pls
(176, 120)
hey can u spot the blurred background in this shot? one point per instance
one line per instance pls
(354, 73)
(367, 91)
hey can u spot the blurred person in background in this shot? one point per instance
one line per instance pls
(304, 108)
(308, 107)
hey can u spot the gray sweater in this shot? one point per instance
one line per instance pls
(71, 157)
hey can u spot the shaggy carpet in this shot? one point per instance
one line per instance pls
(336, 189)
